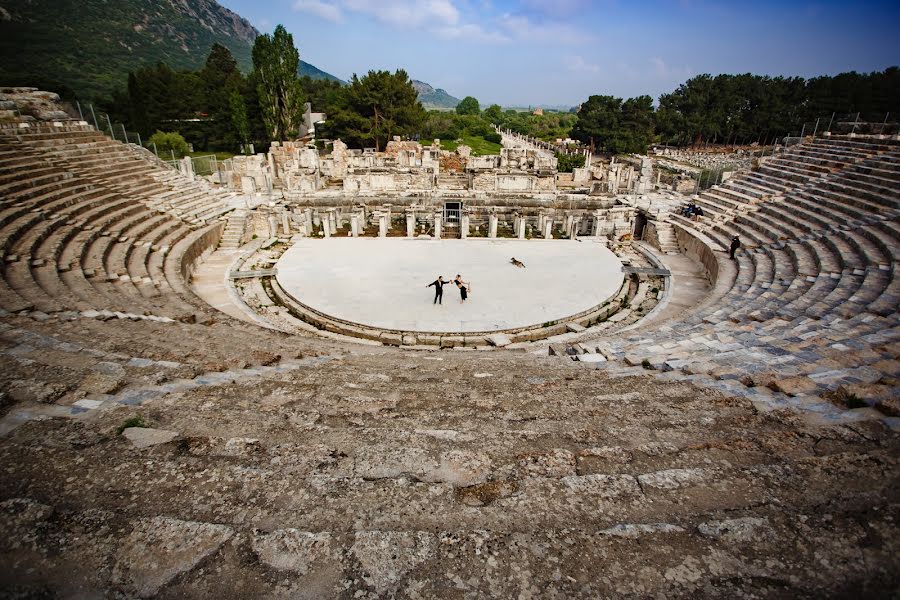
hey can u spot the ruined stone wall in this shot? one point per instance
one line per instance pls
(512, 184)
(545, 183)
(388, 182)
(484, 182)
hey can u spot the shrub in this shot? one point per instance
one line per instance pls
(568, 162)
(168, 142)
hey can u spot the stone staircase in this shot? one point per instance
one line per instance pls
(665, 234)
(234, 231)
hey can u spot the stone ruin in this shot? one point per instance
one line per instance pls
(168, 428)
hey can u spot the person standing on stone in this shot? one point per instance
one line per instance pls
(438, 284)
(735, 244)
(463, 288)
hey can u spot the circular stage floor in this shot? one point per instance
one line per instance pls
(380, 282)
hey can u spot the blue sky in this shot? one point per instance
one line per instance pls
(552, 52)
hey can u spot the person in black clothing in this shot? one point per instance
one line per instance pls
(463, 288)
(735, 244)
(438, 284)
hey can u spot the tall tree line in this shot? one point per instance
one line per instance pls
(735, 109)
(218, 108)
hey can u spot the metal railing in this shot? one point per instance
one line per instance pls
(847, 123)
(204, 165)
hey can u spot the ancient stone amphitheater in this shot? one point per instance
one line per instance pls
(720, 428)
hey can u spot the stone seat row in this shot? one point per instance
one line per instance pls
(815, 278)
(799, 165)
(70, 244)
(90, 154)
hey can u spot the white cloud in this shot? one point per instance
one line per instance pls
(472, 33)
(407, 13)
(522, 28)
(665, 71)
(444, 19)
(323, 10)
(577, 64)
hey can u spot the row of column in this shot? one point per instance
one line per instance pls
(331, 222)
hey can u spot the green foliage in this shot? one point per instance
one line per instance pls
(88, 47)
(549, 126)
(568, 162)
(479, 145)
(616, 125)
(749, 107)
(275, 66)
(376, 107)
(238, 111)
(493, 114)
(222, 83)
(135, 421)
(168, 142)
(468, 106)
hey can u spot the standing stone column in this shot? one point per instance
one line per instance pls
(410, 224)
(548, 229)
(520, 227)
(308, 222)
(568, 227)
(437, 225)
(285, 223)
(273, 226)
(188, 167)
(332, 220)
(464, 226)
(492, 226)
(326, 227)
(382, 225)
(354, 224)
(272, 170)
(599, 218)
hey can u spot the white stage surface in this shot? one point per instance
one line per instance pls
(380, 282)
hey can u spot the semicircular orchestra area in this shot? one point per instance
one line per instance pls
(383, 283)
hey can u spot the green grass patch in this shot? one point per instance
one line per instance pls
(218, 155)
(479, 145)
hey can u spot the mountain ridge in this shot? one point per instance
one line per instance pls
(432, 97)
(86, 48)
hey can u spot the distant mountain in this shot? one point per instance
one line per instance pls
(308, 70)
(434, 98)
(89, 46)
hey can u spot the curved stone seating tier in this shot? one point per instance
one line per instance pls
(89, 154)
(815, 278)
(75, 233)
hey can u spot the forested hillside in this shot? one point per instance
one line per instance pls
(88, 47)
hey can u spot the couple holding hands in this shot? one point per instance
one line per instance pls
(439, 283)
